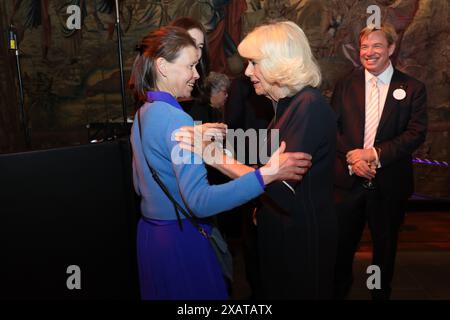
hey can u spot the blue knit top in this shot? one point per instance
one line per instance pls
(183, 172)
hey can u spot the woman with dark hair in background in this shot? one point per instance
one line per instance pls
(176, 261)
(198, 32)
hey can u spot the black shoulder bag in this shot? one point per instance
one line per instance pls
(215, 238)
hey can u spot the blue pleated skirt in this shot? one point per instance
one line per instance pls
(175, 264)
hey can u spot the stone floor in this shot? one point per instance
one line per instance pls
(423, 261)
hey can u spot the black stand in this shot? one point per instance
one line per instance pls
(119, 49)
(14, 45)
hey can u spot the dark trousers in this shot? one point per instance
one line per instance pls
(384, 214)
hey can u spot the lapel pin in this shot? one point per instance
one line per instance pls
(399, 94)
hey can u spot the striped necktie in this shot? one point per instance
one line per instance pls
(372, 114)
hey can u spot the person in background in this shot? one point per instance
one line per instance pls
(175, 261)
(382, 120)
(198, 32)
(209, 107)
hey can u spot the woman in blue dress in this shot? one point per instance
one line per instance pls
(174, 260)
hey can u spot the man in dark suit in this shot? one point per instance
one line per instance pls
(382, 120)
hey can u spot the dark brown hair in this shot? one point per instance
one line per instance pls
(187, 24)
(165, 42)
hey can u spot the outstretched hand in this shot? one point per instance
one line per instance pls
(198, 138)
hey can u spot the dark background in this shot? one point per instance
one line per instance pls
(68, 206)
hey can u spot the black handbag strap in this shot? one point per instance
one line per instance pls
(188, 214)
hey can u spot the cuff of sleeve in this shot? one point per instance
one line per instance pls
(260, 179)
(350, 170)
(377, 159)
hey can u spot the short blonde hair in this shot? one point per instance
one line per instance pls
(284, 55)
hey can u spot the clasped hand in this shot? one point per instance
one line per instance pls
(362, 162)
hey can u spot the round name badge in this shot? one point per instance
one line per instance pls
(399, 94)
